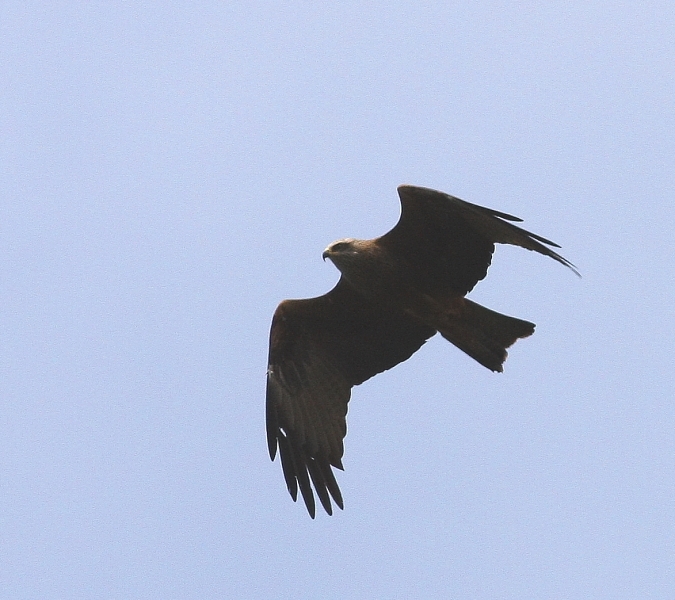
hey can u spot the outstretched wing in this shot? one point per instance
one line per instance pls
(320, 348)
(448, 242)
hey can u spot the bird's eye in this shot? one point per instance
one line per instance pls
(339, 246)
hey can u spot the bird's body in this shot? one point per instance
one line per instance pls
(395, 292)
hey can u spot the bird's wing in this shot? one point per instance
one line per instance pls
(320, 348)
(449, 242)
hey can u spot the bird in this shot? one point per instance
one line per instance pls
(394, 293)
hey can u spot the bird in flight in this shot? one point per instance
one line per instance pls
(394, 293)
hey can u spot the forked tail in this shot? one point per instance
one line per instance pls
(484, 334)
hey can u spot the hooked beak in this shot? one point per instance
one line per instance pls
(326, 254)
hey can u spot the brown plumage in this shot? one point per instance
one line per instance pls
(395, 292)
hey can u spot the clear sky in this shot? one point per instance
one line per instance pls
(170, 171)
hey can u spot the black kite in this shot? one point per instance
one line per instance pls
(395, 292)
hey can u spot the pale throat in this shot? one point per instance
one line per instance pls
(368, 268)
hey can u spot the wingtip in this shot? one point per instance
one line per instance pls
(406, 188)
(574, 268)
(571, 266)
(272, 449)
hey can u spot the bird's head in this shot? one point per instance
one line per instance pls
(341, 250)
(346, 254)
(361, 262)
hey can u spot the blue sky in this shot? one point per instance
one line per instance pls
(170, 171)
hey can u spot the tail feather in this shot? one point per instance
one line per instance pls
(484, 334)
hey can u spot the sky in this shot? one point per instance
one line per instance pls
(169, 172)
